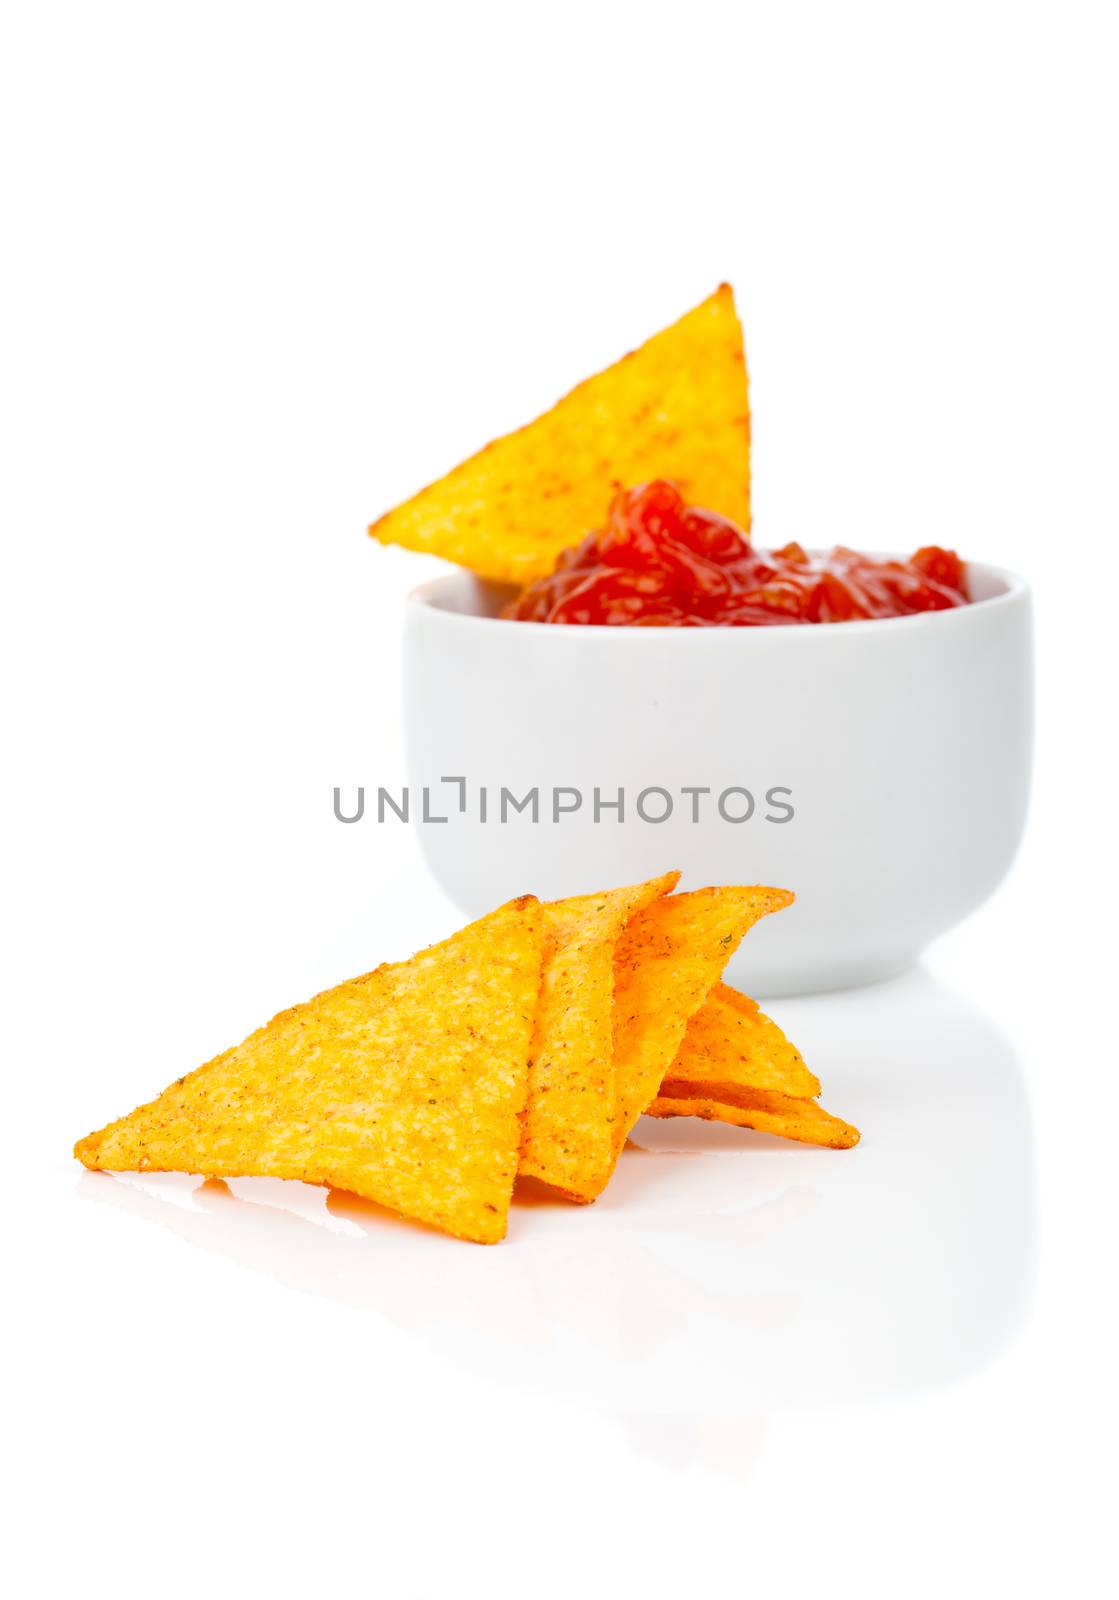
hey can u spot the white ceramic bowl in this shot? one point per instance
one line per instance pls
(901, 747)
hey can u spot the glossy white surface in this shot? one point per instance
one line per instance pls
(880, 768)
(740, 1337)
(268, 270)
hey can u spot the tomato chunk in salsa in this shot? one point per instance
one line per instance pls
(661, 563)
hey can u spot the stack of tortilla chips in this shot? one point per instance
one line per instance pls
(530, 1043)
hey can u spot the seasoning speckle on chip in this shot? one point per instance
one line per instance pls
(785, 1115)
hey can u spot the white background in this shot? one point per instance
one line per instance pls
(266, 269)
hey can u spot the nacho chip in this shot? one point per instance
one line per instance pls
(676, 408)
(669, 959)
(404, 1086)
(782, 1114)
(568, 1122)
(731, 1041)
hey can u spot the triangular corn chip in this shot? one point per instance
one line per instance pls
(404, 1086)
(568, 1122)
(676, 408)
(730, 1041)
(669, 959)
(785, 1115)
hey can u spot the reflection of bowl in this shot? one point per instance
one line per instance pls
(880, 769)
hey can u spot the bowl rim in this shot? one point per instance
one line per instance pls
(429, 595)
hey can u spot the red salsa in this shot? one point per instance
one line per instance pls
(661, 563)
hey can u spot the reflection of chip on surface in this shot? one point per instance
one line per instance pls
(404, 1086)
(782, 1114)
(568, 1138)
(669, 959)
(676, 408)
(730, 1040)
